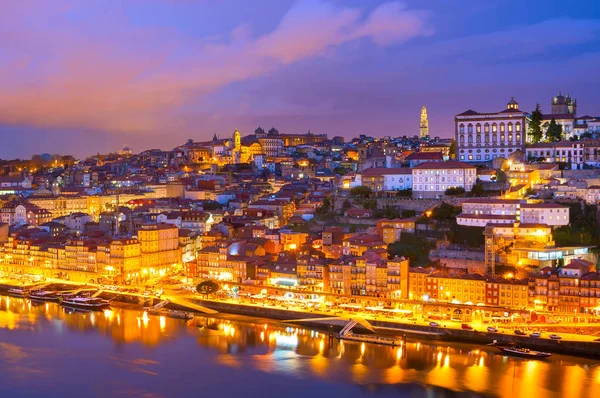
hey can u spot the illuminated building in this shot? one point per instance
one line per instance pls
(482, 137)
(391, 230)
(159, 248)
(431, 179)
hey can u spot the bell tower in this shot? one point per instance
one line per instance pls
(424, 125)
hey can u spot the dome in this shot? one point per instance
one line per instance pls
(273, 131)
(512, 104)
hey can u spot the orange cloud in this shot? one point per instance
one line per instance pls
(103, 73)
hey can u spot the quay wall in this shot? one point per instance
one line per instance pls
(576, 348)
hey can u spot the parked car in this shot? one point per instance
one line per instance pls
(519, 332)
(466, 326)
(597, 340)
(555, 337)
(535, 334)
(492, 329)
(434, 324)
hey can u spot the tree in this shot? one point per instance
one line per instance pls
(446, 211)
(535, 125)
(453, 191)
(404, 193)
(530, 192)
(361, 191)
(346, 205)
(554, 132)
(207, 287)
(453, 149)
(574, 138)
(587, 134)
(370, 204)
(414, 248)
(477, 189)
(339, 170)
(408, 213)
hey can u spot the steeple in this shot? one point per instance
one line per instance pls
(215, 139)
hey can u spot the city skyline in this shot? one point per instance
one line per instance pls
(157, 76)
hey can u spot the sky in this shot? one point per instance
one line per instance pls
(83, 77)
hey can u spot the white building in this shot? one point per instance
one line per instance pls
(430, 180)
(481, 212)
(382, 179)
(551, 214)
(482, 137)
(572, 152)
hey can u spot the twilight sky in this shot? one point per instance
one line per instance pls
(91, 76)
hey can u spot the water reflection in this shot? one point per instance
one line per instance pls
(244, 345)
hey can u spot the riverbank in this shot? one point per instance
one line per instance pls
(573, 347)
(572, 344)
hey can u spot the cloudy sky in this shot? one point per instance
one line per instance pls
(91, 76)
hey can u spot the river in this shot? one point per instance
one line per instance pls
(48, 352)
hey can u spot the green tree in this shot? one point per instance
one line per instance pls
(346, 205)
(370, 204)
(554, 132)
(339, 170)
(361, 191)
(446, 211)
(404, 193)
(207, 287)
(408, 213)
(477, 189)
(535, 125)
(453, 191)
(414, 248)
(453, 149)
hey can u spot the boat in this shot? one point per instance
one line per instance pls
(515, 350)
(43, 295)
(85, 303)
(17, 292)
(170, 313)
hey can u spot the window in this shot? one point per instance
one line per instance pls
(470, 138)
(461, 129)
(486, 128)
(501, 137)
(501, 127)
(517, 127)
(470, 128)
(494, 138)
(510, 127)
(478, 128)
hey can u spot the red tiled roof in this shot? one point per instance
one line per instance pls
(381, 171)
(452, 164)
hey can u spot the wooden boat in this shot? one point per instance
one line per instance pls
(513, 349)
(85, 303)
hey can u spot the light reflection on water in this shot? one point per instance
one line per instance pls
(45, 348)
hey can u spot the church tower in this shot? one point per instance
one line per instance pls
(424, 125)
(237, 140)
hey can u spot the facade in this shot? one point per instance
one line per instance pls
(387, 180)
(159, 245)
(430, 180)
(482, 137)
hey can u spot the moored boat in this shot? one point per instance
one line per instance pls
(43, 295)
(515, 350)
(85, 303)
(17, 292)
(170, 313)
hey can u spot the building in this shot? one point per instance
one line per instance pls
(382, 179)
(482, 137)
(424, 124)
(159, 249)
(481, 212)
(430, 180)
(390, 231)
(571, 152)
